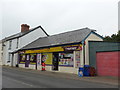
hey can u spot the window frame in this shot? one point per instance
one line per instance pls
(10, 44)
(17, 43)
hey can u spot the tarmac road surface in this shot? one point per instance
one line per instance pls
(16, 78)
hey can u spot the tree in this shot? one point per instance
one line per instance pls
(113, 37)
(107, 38)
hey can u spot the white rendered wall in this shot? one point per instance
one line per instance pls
(91, 37)
(15, 60)
(68, 70)
(7, 51)
(63, 69)
(32, 66)
(21, 65)
(30, 37)
(39, 67)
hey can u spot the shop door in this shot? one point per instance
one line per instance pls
(55, 61)
(27, 61)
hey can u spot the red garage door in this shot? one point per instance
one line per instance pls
(107, 63)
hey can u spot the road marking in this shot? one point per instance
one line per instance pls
(19, 81)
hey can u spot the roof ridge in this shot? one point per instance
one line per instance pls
(20, 34)
(72, 31)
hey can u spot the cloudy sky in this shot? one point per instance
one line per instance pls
(57, 16)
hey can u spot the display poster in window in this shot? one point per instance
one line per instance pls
(47, 58)
(77, 59)
(22, 58)
(66, 59)
(38, 59)
(28, 57)
(32, 58)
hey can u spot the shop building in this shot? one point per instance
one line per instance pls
(63, 52)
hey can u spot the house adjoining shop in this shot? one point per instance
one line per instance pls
(64, 52)
(17, 41)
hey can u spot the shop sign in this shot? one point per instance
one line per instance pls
(72, 48)
(56, 49)
(53, 49)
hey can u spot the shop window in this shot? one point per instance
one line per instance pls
(66, 59)
(22, 58)
(47, 58)
(33, 58)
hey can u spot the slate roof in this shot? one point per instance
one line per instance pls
(20, 34)
(58, 39)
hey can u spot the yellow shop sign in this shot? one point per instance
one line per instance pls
(53, 49)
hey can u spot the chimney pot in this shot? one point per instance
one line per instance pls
(24, 27)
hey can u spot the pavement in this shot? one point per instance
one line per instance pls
(95, 79)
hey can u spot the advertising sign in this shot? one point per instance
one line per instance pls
(38, 59)
(72, 48)
(77, 58)
(47, 58)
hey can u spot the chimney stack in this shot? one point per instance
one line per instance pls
(24, 27)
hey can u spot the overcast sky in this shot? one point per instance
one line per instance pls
(57, 16)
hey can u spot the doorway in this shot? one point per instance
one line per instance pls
(55, 61)
(27, 61)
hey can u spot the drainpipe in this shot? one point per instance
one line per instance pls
(83, 43)
(12, 59)
(84, 52)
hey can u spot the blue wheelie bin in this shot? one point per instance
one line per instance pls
(80, 71)
(86, 71)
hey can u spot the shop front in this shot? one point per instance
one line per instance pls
(29, 60)
(62, 58)
(65, 59)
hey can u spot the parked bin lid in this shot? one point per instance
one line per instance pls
(86, 65)
(81, 68)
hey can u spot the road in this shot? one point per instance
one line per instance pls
(16, 78)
